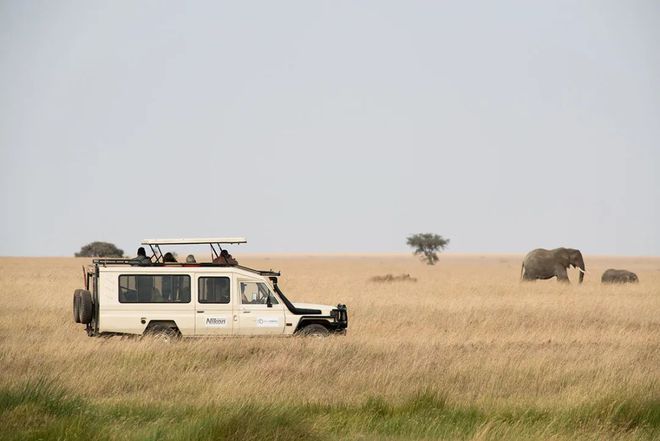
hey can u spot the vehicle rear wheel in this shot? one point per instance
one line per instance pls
(86, 307)
(76, 305)
(163, 333)
(314, 330)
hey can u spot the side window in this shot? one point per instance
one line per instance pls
(154, 289)
(214, 290)
(256, 293)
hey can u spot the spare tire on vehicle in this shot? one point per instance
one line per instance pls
(76, 305)
(86, 307)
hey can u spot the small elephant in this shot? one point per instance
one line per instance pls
(546, 264)
(619, 276)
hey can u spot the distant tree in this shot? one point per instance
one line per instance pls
(427, 245)
(100, 249)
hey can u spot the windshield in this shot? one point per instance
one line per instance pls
(257, 293)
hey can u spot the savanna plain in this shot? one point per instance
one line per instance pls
(466, 352)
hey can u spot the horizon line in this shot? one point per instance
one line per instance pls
(346, 254)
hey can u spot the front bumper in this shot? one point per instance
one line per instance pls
(340, 316)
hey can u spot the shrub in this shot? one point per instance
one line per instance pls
(100, 249)
(392, 278)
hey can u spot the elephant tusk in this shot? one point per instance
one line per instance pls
(582, 271)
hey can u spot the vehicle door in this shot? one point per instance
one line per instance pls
(214, 313)
(260, 312)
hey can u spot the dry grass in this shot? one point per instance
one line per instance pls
(510, 360)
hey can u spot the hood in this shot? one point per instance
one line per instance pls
(325, 309)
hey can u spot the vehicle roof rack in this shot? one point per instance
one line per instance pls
(123, 261)
(155, 244)
(157, 257)
(195, 241)
(113, 260)
(269, 273)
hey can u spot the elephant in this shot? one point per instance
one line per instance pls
(545, 264)
(619, 276)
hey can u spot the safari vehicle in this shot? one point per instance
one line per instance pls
(128, 296)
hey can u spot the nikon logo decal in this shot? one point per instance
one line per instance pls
(216, 322)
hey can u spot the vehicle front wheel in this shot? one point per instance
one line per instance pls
(314, 330)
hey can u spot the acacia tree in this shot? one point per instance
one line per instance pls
(100, 249)
(427, 246)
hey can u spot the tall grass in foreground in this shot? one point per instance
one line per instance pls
(41, 410)
(465, 353)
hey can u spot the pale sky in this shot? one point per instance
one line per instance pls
(334, 126)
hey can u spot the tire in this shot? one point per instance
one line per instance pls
(86, 307)
(314, 330)
(76, 305)
(162, 332)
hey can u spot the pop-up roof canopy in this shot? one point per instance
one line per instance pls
(155, 244)
(195, 241)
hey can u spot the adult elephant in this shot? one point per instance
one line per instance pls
(619, 276)
(545, 264)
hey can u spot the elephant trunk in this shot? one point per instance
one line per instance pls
(581, 267)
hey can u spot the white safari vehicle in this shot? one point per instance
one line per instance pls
(150, 296)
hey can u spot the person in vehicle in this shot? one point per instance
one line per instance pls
(169, 258)
(244, 299)
(225, 259)
(190, 259)
(141, 258)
